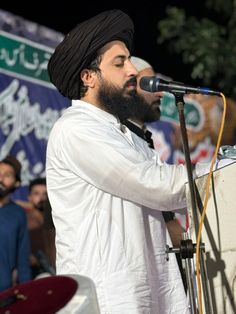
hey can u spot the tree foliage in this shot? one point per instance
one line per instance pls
(208, 45)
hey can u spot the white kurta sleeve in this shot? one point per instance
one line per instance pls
(113, 165)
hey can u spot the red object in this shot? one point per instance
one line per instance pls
(45, 295)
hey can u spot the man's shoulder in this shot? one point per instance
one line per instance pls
(73, 116)
(15, 208)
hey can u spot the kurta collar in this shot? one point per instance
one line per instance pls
(103, 116)
(95, 110)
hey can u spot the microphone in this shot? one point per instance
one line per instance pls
(154, 84)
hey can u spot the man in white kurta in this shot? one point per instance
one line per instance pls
(107, 188)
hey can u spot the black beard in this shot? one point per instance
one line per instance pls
(147, 112)
(5, 191)
(130, 106)
(40, 206)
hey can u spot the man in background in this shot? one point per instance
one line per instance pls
(41, 237)
(38, 193)
(14, 248)
(148, 113)
(41, 260)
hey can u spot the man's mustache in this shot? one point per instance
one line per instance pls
(2, 186)
(132, 81)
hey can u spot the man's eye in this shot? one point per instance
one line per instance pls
(119, 65)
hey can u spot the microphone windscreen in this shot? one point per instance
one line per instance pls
(146, 83)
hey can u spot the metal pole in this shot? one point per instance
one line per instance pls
(180, 106)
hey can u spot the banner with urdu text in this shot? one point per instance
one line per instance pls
(29, 103)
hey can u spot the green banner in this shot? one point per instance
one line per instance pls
(193, 113)
(24, 57)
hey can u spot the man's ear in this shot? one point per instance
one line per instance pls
(88, 76)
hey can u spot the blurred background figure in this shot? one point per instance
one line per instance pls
(38, 193)
(163, 133)
(14, 248)
(138, 124)
(151, 113)
(37, 197)
(49, 234)
(42, 262)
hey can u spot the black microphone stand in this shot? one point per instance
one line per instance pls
(187, 248)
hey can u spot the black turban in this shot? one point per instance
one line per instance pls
(80, 46)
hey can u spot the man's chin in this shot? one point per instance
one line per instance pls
(130, 93)
(39, 207)
(3, 193)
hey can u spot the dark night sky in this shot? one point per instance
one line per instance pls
(145, 17)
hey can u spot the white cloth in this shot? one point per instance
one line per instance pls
(106, 188)
(203, 168)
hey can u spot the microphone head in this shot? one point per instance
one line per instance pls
(152, 84)
(146, 83)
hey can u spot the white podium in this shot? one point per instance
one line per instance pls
(219, 237)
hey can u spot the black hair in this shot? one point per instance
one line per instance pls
(37, 181)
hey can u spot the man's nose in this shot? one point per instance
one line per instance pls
(132, 69)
